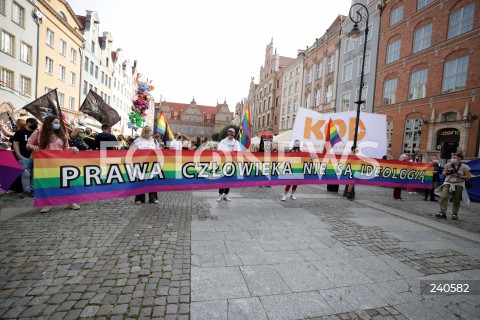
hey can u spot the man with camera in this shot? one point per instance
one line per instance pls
(455, 173)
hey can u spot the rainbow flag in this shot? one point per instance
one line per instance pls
(246, 137)
(332, 134)
(62, 177)
(162, 126)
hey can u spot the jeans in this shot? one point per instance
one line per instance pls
(27, 176)
(225, 191)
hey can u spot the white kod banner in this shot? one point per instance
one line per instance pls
(310, 129)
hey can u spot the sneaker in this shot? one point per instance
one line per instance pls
(155, 201)
(441, 216)
(399, 199)
(74, 206)
(284, 198)
(45, 209)
(454, 217)
(220, 197)
(293, 197)
(31, 194)
(410, 193)
(25, 195)
(138, 202)
(434, 200)
(226, 197)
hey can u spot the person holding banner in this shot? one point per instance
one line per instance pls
(145, 142)
(52, 136)
(455, 174)
(176, 144)
(296, 148)
(397, 191)
(228, 144)
(22, 154)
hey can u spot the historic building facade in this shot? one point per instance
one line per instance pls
(427, 76)
(18, 52)
(291, 91)
(60, 44)
(196, 120)
(350, 61)
(122, 88)
(264, 111)
(320, 72)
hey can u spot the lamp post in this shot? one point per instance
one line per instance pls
(357, 16)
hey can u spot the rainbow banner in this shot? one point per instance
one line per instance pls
(62, 177)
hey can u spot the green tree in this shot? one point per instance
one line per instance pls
(215, 136)
(223, 133)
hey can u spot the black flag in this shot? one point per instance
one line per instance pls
(46, 105)
(95, 107)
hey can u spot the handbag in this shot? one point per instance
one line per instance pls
(468, 184)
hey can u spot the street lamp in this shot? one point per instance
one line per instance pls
(357, 16)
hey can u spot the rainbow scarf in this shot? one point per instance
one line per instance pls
(62, 177)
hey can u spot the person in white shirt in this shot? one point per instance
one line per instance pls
(177, 144)
(228, 144)
(146, 141)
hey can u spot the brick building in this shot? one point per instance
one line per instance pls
(196, 120)
(427, 75)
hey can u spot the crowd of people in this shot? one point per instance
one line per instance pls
(29, 137)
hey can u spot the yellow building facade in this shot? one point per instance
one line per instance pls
(59, 57)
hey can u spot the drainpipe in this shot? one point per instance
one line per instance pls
(38, 22)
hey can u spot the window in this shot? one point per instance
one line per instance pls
(411, 139)
(87, 62)
(91, 67)
(455, 75)
(61, 99)
(62, 15)
(284, 92)
(389, 134)
(349, 45)
(50, 38)
(282, 124)
(363, 97)
(345, 102)
(461, 20)
(418, 81)
(85, 87)
(285, 78)
(25, 85)
(47, 90)
(63, 47)
(347, 72)
(309, 76)
(369, 37)
(107, 61)
(26, 53)
(73, 55)
(7, 77)
(2, 6)
(18, 14)
(73, 78)
(49, 65)
(96, 72)
(396, 15)
(317, 97)
(92, 47)
(329, 94)
(8, 43)
(393, 51)
(295, 104)
(290, 89)
(422, 38)
(71, 103)
(297, 70)
(423, 3)
(289, 106)
(103, 76)
(296, 86)
(331, 63)
(389, 92)
(319, 70)
(307, 101)
(61, 72)
(366, 67)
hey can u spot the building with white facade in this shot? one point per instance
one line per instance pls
(18, 52)
(291, 91)
(122, 88)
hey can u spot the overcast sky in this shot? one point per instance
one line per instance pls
(209, 49)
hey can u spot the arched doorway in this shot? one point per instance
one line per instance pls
(447, 135)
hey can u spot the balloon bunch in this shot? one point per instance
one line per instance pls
(141, 103)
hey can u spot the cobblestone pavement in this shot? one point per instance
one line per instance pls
(320, 257)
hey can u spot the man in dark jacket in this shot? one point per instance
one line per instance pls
(105, 136)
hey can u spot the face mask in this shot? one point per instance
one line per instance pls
(81, 135)
(150, 133)
(454, 160)
(56, 126)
